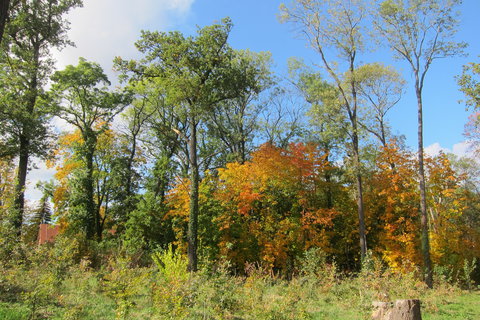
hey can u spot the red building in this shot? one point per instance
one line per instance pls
(47, 233)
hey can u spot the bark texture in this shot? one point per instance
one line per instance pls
(401, 310)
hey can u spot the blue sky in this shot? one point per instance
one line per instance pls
(257, 28)
(103, 29)
(106, 28)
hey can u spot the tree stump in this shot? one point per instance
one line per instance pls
(402, 310)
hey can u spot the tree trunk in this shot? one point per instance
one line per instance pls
(24, 146)
(356, 153)
(328, 189)
(93, 221)
(361, 218)
(19, 201)
(193, 216)
(361, 213)
(4, 7)
(423, 196)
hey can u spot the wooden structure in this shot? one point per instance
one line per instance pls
(47, 233)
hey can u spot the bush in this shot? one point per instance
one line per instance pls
(122, 283)
(172, 295)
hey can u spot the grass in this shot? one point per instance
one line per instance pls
(464, 306)
(82, 298)
(13, 311)
(119, 290)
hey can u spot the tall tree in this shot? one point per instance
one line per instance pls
(337, 26)
(4, 7)
(419, 32)
(85, 102)
(327, 119)
(196, 74)
(34, 28)
(234, 121)
(380, 88)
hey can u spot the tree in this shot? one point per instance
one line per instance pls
(326, 117)
(85, 102)
(267, 210)
(34, 28)
(234, 121)
(469, 83)
(337, 25)
(420, 32)
(282, 118)
(195, 74)
(4, 7)
(381, 88)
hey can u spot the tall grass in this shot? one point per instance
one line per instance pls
(120, 289)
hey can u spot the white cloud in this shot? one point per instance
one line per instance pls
(103, 29)
(434, 149)
(461, 149)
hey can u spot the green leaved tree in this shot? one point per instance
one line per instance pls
(34, 28)
(195, 75)
(85, 102)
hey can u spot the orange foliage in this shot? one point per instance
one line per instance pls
(393, 210)
(270, 205)
(451, 238)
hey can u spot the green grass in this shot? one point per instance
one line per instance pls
(13, 311)
(465, 306)
(121, 292)
(462, 306)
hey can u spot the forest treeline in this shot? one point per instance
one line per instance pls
(204, 148)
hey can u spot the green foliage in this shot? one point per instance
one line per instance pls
(123, 283)
(470, 84)
(468, 269)
(171, 265)
(171, 291)
(315, 268)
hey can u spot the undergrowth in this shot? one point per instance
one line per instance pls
(41, 287)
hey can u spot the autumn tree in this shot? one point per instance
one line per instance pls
(34, 28)
(269, 209)
(326, 117)
(337, 27)
(392, 206)
(85, 102)
(420, 32)
(196, 74)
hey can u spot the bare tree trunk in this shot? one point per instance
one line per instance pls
(193, 215)
(423, 196)
(361, 213)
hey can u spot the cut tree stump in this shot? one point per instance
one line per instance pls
(401, 310)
